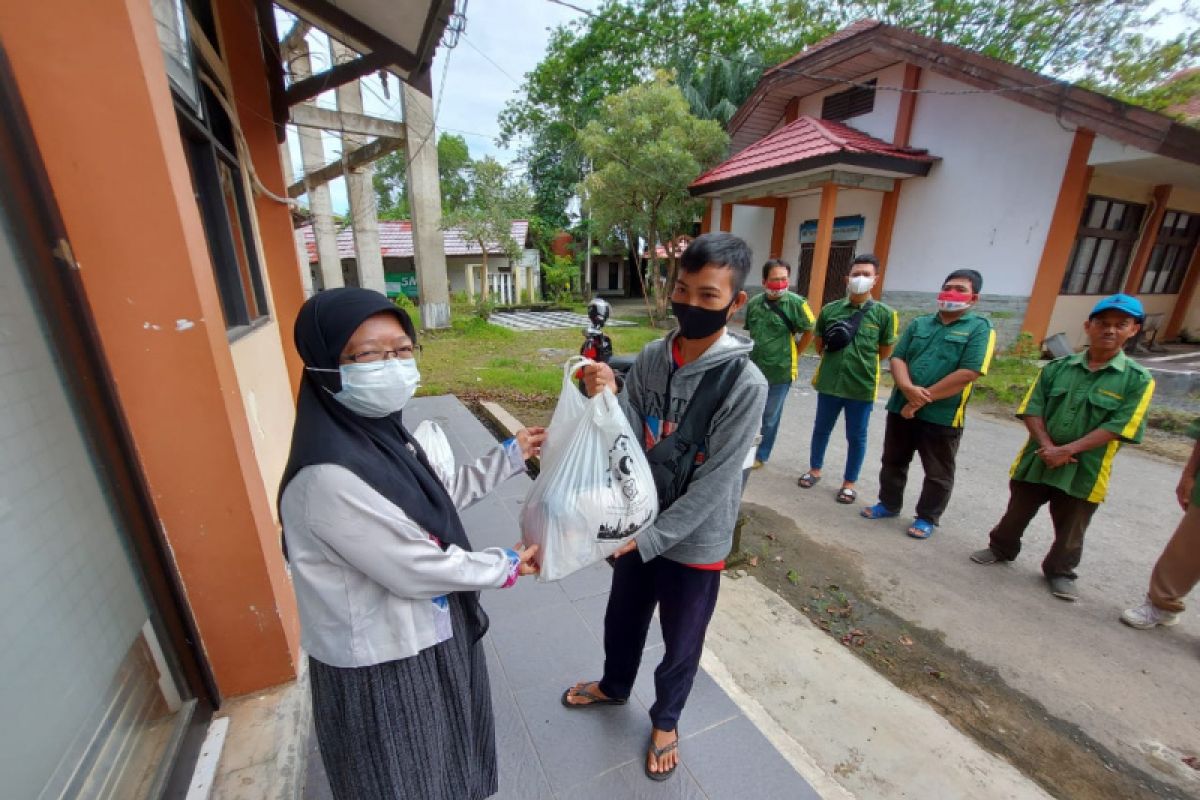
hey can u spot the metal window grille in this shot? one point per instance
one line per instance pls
(853, 102)
(1103, 246)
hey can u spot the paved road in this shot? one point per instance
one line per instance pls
(1136, 692)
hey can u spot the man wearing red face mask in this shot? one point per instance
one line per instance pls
(934, 367)
(781, 325)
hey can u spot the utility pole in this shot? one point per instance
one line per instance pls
(425, 202)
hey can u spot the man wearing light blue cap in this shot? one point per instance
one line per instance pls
(1079, 411)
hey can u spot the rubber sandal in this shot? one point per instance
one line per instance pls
(923, 528)
(878, 511)
(808, 480)
(592, 699)
(846, 496)
(659, 753)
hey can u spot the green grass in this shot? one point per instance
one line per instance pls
(1008, 379)
(474, 358)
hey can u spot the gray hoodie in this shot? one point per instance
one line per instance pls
(698, 527)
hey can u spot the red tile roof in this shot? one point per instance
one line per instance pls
(799, 141)
(395, 240)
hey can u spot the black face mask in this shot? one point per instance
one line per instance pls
(700, 323)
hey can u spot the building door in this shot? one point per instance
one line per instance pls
(96, 691)
(841, 258)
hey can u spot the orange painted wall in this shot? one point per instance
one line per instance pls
(1064, 223)
(242, 53)
(103, 119)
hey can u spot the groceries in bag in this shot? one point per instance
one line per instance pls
(595, 489)
(433, 441)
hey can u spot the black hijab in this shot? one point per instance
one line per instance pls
(379, 451)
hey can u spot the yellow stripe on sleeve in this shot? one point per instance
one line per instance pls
(808, 312)
(1025, 403)
(960, 416)
(1100, 488)
(991, 349)
(795, 358)
(895, 324)
(1139, 413)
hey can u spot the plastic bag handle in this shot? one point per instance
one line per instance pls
(573, 363)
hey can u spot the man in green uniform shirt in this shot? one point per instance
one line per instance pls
(1079, 411)
(780, 323)
(934, 368)
(853, 335)
(1178, 568)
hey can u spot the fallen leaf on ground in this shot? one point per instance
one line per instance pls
(752, 561)
(1192, 761)
(933, 673)
(907, 642)
(777, 559)
(772, 536)
(793, 576)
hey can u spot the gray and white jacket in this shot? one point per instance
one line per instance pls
(370, 584)
(698, 527)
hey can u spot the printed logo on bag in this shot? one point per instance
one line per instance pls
(620, 468)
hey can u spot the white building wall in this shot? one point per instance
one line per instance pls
(754, 225)
(881, 121)
(850, 202)
(987, 204)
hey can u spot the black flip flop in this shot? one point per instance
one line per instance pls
(659, 753)
(808, 480)
(592, 699)
(846, 496)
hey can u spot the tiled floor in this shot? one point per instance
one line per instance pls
(544, 637)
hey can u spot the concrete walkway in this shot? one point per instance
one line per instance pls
(546, 636)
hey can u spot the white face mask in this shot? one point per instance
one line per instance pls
(380, 388)
(861, 284)
(952, 306)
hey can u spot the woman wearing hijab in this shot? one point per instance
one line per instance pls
(386, 580)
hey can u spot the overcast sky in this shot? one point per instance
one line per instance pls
(503, 40)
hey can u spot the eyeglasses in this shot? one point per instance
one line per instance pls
(372, 356)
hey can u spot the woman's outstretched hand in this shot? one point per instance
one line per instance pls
(530, 441)
(528, 564)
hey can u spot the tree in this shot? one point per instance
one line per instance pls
(391, 177)
(621, 46)
(646, 147)
(715, 90)
(490, 204)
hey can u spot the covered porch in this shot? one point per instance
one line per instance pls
(815, 193)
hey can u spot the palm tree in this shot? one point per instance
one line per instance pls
(714, 90)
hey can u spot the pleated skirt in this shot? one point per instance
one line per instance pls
(419, 728)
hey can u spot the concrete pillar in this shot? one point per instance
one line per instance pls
(820, 264)
(312, 157)
(425, 204)
(289, 172)
(518, 273)
(364, 208)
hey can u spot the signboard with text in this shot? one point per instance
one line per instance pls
(845, 229)
(401, 282)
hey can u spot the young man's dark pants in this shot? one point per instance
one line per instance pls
(686, 598)
(937, 445)
(1070, 516)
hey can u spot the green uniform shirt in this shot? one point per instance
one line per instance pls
(774, 342)
(1194, 432)
(932, 350)
(1075, 401)
(853, 371)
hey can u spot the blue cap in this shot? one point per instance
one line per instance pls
(1123, 303)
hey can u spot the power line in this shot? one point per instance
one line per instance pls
(503, 72)
(813, 76)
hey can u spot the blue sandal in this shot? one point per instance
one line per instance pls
(923, 528)
(878, 511)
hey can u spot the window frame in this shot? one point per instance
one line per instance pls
(1118, 255)
(208, 140)
(1180, 246)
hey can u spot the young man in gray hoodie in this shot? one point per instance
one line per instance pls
(675, 563)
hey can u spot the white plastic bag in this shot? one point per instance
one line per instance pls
(433, 441)
(594, 490)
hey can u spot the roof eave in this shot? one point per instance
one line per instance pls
(904, 166)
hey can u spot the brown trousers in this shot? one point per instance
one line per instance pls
(1178, 569)
(1070, 516)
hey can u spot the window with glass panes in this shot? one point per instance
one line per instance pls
(1103, 246)
(1172, 253)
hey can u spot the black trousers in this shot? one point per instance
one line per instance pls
(1070, 516)
(686, 598)
(937, 445)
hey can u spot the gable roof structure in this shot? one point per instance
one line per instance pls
(395, 240)
(810, 143)
(868, 46)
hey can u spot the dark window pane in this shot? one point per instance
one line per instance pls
(1095, 216)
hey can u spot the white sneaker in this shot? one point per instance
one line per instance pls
(1147, 615)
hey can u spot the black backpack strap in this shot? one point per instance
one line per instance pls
(673, 458)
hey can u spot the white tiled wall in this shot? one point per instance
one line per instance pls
(70, 606)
